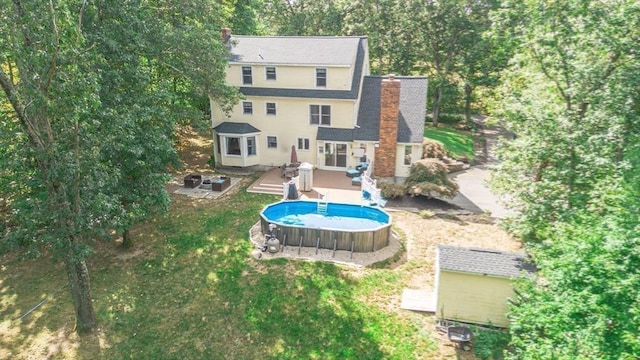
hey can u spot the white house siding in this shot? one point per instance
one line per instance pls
(291, 77)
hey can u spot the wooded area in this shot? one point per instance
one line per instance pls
(92, 93)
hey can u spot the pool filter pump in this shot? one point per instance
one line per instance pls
(273, 244)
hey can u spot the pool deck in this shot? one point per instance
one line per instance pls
(327, 185)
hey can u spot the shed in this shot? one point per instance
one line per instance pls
(473, 285)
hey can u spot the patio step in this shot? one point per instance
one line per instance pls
(263, 188)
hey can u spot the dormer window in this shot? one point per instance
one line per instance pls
(270, 72)
(321, 77)
(247, 77)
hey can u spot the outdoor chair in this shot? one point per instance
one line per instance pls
(192, 180)
(353, 173)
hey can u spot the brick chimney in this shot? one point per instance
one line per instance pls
(225, 35)
(385, 153)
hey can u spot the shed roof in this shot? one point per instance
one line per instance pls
(411, 112)
(484, 261)
(229, 127)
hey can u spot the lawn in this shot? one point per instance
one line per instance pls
(190, 290)
(457, 143)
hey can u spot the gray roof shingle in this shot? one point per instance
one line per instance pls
(484, 261)
(411, 117)
(413, 108)
(295, 50)
(334, 134)
(229, 127)
(318, 51)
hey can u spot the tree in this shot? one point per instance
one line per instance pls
(83, 86)
(442, 29)
(386, 24)
(482, 57)
(588, 306)
(570, 96)
(304, 17)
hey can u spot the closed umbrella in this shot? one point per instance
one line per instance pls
(294, 155)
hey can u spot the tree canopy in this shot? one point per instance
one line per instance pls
(90, 98)
(570, 96)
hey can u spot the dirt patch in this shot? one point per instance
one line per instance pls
(194, 150)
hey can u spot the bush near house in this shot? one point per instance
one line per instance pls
(428, 177)
(392, 191)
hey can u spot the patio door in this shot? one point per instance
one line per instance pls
(335, 155)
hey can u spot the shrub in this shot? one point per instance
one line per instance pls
(432, 149)
(427, 214)
(490, 344)
(392, 191)
(428, 177)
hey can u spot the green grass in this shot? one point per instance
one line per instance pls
(195, 293)
(457, 143)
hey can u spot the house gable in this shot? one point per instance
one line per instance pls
(411, 112)
(346, 55)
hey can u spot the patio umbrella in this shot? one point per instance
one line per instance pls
(294, 155)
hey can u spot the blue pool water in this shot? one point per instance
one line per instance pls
(338, 216)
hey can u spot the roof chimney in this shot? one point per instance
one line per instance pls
(225, 34)
(385, 153)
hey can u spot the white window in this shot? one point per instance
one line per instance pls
(251, 145)
(272, 142)
(247, 77)
(247, 107)
(320, 115)
(303, 143)
(270, 73)
(233, 146)
(408, 151)
(321, 77)
(271, 108)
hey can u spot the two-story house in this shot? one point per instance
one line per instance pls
(316, 94)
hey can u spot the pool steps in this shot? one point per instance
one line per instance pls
(322, 207)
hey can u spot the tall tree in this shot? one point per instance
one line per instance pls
(482, 56)
(386, 24)
(571, 97)
(443, 29)
(304, 17)
(567, 97)
(87, 117)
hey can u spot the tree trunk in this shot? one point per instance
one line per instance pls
(436, 106)
(127, 241)
(468, 90)
(81, 293)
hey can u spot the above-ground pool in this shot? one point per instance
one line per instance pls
(323, 225)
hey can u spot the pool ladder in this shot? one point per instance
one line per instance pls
(322, 207)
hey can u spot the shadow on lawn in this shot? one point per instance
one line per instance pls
(197, 294)
(201, 296)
